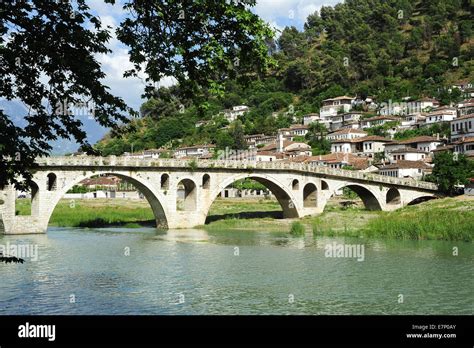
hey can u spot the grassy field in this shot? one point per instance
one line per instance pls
(443, 219)
(96, 213)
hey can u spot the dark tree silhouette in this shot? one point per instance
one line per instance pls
(48, 53)
(10, 259)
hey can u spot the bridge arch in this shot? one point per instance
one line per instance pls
(190, 194)
(35, 193)
(368, 197)
(421, 199)
(310, 195)
(393, 196)
(153, 197)
(283, 194)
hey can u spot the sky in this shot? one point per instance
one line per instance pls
(278, 13)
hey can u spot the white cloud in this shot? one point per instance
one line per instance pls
(285, 12)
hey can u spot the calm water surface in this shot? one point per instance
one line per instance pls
(198, 272)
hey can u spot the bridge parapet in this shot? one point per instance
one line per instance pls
(206, 164)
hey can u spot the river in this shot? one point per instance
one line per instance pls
(142, 271)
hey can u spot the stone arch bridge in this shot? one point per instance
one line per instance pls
(300, 189)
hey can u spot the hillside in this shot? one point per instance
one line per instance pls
(384, 49)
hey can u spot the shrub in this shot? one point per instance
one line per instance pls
(297, 229)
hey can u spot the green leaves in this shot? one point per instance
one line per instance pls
(451, 170)
(200, 43)
(48, 58)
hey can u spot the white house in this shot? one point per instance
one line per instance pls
(332, 106)
(367, 145)
(424, 143)
(347, 133)
(412, 119)
(283, 146)
(310, 118)
(294, 131)
(343, 145)
(339, 160)
(236, 111)
(442, 114)
(353, 116)
(377, 121)
(466, 107)
(150, 153)
(465, 146)
(407, 154)
(406, 169)
(351, 125)
(462, 126)
(268, 156)
(370, 145)
(425, 103)
(194, 151)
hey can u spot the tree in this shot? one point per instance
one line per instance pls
(237, 133)
(451, 170)
(48, 40)
(199, 43)
(48, 61)
(317, 140)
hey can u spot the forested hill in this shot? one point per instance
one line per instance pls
(384, 49)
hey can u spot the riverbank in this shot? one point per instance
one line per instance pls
(442, 219)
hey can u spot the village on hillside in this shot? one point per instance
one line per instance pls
(348, 126)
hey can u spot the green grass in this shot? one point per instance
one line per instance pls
(96, 213)
(446, 220)
(443, 219)
(297, 229)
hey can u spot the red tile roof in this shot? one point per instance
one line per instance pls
(406, 165)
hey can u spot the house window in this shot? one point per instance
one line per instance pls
(470, 125)
(453, 127)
